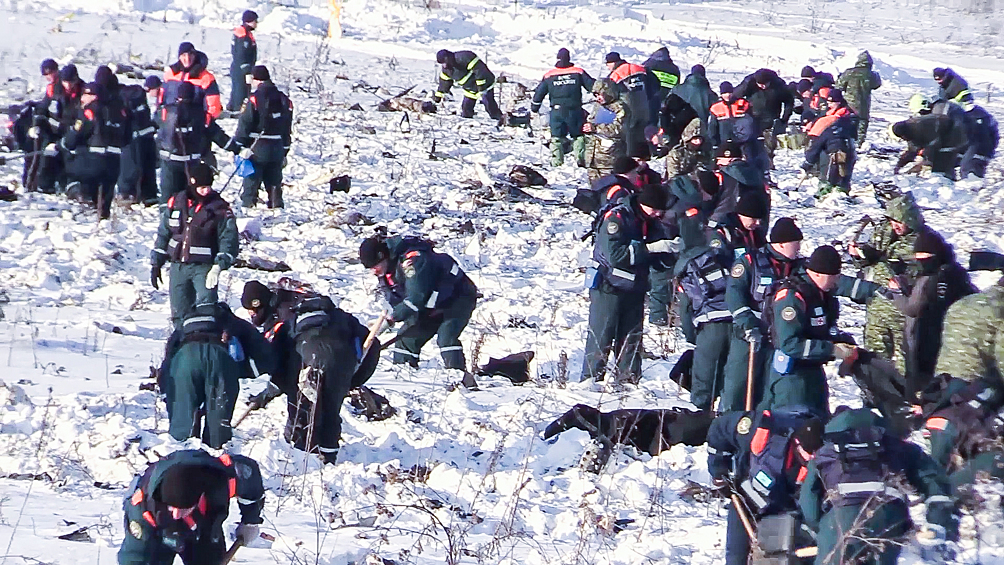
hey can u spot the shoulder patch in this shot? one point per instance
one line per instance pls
(716, 243)
(744, 426)
(408, 267)
(788, 314)
(78, 124)
(738, 270)
(612, 228)
(136, 529)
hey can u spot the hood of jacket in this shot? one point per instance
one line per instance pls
(904, 209)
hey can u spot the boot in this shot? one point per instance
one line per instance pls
(557, 152)
(579, 148)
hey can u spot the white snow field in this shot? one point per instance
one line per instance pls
(455, 476)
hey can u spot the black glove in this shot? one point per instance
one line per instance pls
(753, 336)
(155, 277)
(886, 292)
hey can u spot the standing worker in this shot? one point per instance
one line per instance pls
(631, 81)
(606, 130)
(563, 85)
(180, 503)
(191, 68)
(264, 131)
(472, 74)
(198, 235)
(857, 84)
(244, 51)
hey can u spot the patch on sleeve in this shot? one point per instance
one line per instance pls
(78, 124)
(612, 228)
(738, 270)
(716, 243)
(744, 425)
(408, 266)
(788, 314)
(136, 529)
(255, 303)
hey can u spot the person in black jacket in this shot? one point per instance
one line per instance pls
(563, 85)
(832, 145)
(953, 88)
(938, 137)
(244, 53)
(668, 73)
(770, 102)
(118, 126)
(41, 172)
(940, 283)
(984, 135)
(264, 131)
(138, 175)
(88, 143)
(472, 74)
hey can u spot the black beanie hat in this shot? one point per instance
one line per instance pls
(200, 174)
(653, 196)
(105, 77)
(825, 260)
(624, 164)
(612, 57)
(181, 485)
(930, 242)
(939, 73)
(151, 82)
(726, 87)
(707, 181)
(249, 16)
(185, 91)
(49, 66)
(810, 435)
(763, 76)
(804, 85)
(729, 150)
(260, 72)
(93, 88)
(68, 73)
(835, 95)
(698, 70)
(255, 295)
(808, 72)
(751, 205)
(784, 231)
(185, 47)
(443, 56)
(373, 250)
(564, 56)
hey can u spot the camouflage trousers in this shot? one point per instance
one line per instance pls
(884, 332)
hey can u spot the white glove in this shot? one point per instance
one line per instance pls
(247, 533)
(34, 132)
(245, 153)
(213, 277)
(247, 79)
(663, 246)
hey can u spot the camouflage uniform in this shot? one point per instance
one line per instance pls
(857, 84)
(972, 344)
(683, 159)
(606, 142)
(888, 254)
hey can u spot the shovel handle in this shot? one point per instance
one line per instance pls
(375, 330)
(229, 555)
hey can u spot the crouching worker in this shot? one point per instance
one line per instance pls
(850, 495)
(320, 357)
(179, 504)
(205, 358)
(759, 460)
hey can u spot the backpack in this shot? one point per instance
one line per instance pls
(766, 484)
(523, 176)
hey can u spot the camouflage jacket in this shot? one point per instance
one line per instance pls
(683, 159)
(972, 343)
(889, 254)
(606, 142)
(857, 84)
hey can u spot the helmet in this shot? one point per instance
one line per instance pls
(919, 103)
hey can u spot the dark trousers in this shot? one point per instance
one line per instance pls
(151, 550)
(239, 88)
(660, 297)
(331, 362)
(188, 289)
(43, 172)
(203, 378)
(566, 121)
(138, 174)
(737, 543)
(737, 370)
(446, 326)
(487, 100)
(173, 179)
(973, 163)
(615, 325)
(850, 534)
(268, 173)
(708, 370)
(804, 386)
(368, 365)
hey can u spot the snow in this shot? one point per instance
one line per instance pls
(455, 476)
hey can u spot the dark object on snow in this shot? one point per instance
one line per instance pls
(7, 195)
(370, 405)
(651, 431)
(340, 183)
(356, 108)
(882, 387)
(986, 261)
(407, 104)
(80, 534)
(524, 176)
(586, 201)
(518, 118)
(515, 367)
(259, 264)
(680, 373)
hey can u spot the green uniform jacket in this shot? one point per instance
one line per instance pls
(606, 142)
(972, 343)
(149, 526)
(739, 296)
(222, 242)
(857, 84)
(266, 123)
(889, 254)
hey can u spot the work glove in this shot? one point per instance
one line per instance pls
(663, 246)
(155, 277)
(753, 336)
(247, 533)
(213, 277)
(779, 126)
(844, 351)
(245, 153)
(34, 132)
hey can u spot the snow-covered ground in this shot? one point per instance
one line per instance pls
(456, 476)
